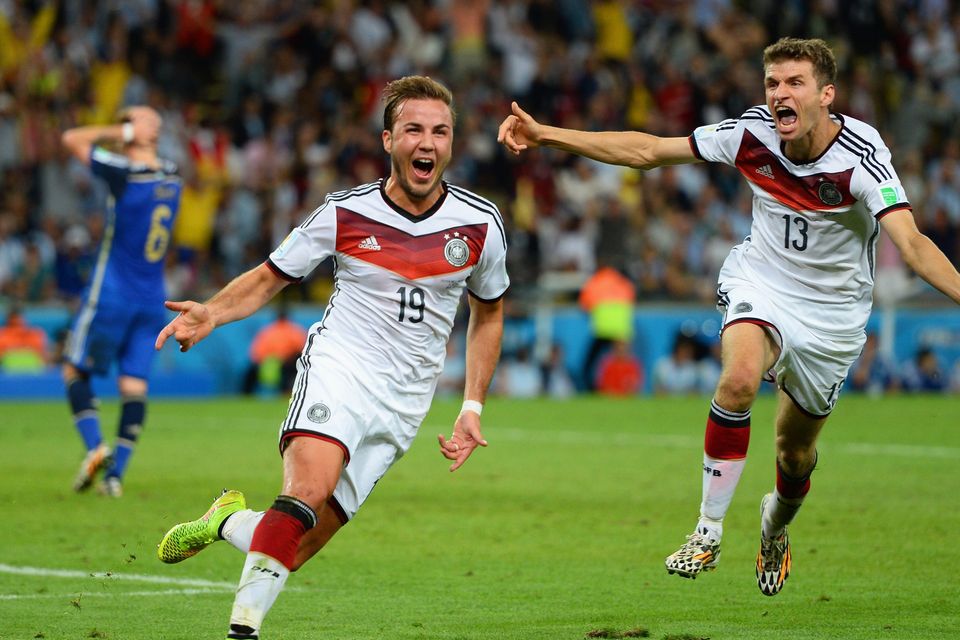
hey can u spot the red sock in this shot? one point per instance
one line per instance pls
(728, 433)
(278, 536)
(790, 487)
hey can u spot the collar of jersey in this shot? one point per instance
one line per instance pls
(406, 214)
(783, 145)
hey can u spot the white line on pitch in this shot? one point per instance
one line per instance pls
(621, 438)
(95, 594)
(134, 577)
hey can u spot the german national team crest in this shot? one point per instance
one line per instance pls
(456, 251)
(318, 413)
(829, 194)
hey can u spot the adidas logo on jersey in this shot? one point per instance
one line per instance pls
(766, 171)
(370, 243)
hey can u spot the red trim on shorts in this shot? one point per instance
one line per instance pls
(756, 321)
(338, 510)
(295, 433)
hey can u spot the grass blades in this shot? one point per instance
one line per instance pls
(557, 530)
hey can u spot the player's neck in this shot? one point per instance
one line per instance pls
(143, 155)
(812, 145)
(412, 205)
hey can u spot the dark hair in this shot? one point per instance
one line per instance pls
(815, 50)
(413, 88)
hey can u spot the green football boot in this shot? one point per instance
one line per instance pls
(187, 539)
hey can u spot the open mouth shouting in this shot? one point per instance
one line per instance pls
(423, 168)
(786, 119)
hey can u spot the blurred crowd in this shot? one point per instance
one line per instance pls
(268, 106)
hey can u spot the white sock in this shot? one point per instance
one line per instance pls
(239, 527)
(260, 584)
(720, 478)
(778, 513)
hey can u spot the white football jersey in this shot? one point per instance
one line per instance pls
(397, 282)
(810, 245)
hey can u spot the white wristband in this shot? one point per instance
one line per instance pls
(127, 132)
(472, 405)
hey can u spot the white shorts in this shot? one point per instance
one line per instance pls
(812, 365)
(330, 403)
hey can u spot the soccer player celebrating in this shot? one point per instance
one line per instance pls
(405, 247)
(796, 293)
(122, 307)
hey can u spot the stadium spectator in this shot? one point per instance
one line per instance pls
(923, 374)
(206, 58)
(608, 296)
(873, 372)
(73, 264)
(273, 355)
(33, 279)
(122, 307)
(518, 376)
(678, 372)
(371, 365)
(180, 58)
(23, 349)
(619, 372)
(556, 380)
(804, 242)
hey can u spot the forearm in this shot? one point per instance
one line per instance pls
(244, 295)
(627, 148)
(929, 262)
(80, 139)
(484, 335)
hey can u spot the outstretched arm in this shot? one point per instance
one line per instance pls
(484, 333)
(921, 254)
(635, 149)
(244, 295)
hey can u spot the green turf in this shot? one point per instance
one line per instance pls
(557, 530)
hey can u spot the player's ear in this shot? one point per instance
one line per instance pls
(387, 141)
(827, 94)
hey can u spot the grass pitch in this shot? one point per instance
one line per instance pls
(557, 530)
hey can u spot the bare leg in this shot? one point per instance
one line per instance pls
(311, 469)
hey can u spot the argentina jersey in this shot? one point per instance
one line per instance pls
(122, 310)
(141, 207)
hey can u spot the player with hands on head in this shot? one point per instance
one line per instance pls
(405, 248)
(122, 306)
(797, 292)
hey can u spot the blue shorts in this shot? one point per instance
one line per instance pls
(114, 331)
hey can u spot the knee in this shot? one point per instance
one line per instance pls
(797, 462)
(310, 495)
(737, 390)
(131, 387)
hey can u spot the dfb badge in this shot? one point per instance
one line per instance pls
(318, 413)
(457, 252)
(829, 194)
